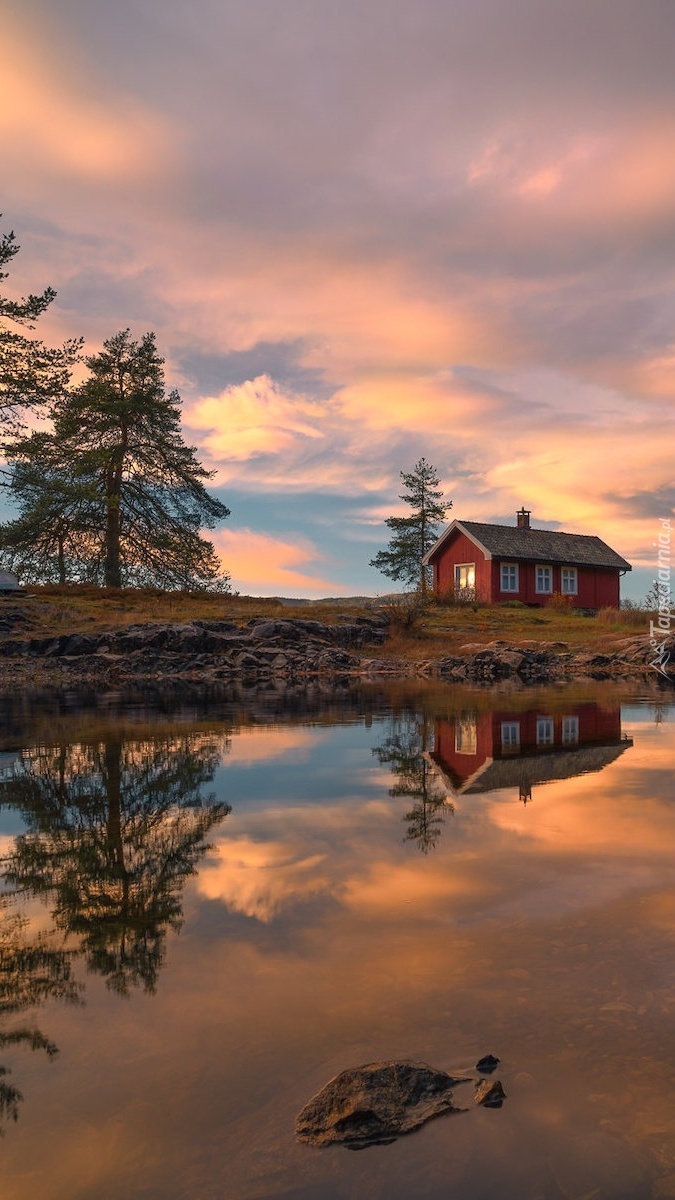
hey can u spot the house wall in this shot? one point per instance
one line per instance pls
(598, 587)
(460, 549)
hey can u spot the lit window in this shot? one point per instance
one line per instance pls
(544, 731)
(465, 576)
(466, 737)
(544, 582)
(509, 577)
(570, 731)
(568, 581)
(510, 735)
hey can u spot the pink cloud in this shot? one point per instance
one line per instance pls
(264, 565)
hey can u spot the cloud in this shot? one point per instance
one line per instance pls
(267, 566)
(50, 120)
(253, 418)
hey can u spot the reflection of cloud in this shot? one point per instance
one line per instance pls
(388, 890)
(257, 745)
(258, 879)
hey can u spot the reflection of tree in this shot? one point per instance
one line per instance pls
(114, 829)
(404, 750)
(30, 974)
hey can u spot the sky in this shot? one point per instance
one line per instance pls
(364, 232)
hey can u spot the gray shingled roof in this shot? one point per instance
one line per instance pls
(541, 766)
(541, 545)
(545, 768)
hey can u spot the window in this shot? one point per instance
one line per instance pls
(544, 582)
(465, 576)
(544, 731)
(570, 731)
(510, 735)
(568, 581)
(466, 738)
(509, 577)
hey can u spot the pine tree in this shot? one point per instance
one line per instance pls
(56, 537)
(129, 491)
(31, 374)
(416, 534)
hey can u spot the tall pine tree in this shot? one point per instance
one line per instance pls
(130, 491)
(414, 535)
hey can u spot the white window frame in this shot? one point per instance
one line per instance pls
(570, 731)
(508, 574)
(466, 736)
(510, 735)
(466, 586)
(569, 581)
(543, 591)
(545, 731)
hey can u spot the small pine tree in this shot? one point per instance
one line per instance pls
(416, 534)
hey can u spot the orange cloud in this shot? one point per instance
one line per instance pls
(48, 115)
(266, 566)
(254, 418)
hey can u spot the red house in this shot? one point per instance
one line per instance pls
(493, 563)
(486, 751)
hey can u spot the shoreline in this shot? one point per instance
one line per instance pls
(293, 651)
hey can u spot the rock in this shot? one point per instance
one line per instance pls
(511, 658)
(487, 1064)
(374, 1104)
(489, 1093)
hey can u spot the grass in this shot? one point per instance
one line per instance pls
(442, 630)
(417, 632)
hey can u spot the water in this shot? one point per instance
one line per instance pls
(214, 904)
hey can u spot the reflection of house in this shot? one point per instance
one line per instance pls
(480, 752)
(7, 762)
(493, 563)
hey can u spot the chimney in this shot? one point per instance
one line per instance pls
(523, 518)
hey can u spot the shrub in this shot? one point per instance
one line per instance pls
(404, 611)
(560, 603)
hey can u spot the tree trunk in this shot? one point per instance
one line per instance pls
(112, 571)
(62, 562)
(113, 784)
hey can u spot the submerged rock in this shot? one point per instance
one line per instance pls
(487, 1064)
(489, 1093)
(376, 1103)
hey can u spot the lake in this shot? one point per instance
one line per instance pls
(213, 903)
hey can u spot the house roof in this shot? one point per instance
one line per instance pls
(534, 545)
(542, 766)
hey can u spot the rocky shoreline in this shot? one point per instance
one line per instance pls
(293, 650)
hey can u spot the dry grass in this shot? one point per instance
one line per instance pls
(80, 609)
(417, 631)
(441, 630)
